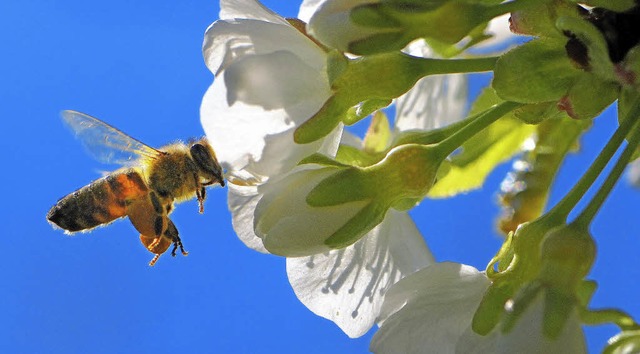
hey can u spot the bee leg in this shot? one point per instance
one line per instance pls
(172, 233)
(154, 260)
(200, 193)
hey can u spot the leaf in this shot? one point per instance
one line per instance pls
(483, 152)
(525, 190)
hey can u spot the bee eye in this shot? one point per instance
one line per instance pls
(206, 162)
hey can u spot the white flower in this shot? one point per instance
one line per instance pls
(270, 78)
(431, 310)
(348, 286)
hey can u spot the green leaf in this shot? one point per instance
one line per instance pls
(483, 152)
(537, 71)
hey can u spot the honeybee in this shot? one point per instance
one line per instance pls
(145, 189)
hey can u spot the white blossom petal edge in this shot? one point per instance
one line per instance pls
(348, 286)
(434, 101)
(432, 309)
(269, 79)
(429, 310)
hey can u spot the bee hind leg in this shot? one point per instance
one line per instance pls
(154, 260)
(172, 233)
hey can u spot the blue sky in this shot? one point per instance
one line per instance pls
(138, 66)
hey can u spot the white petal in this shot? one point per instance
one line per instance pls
(347, 286)
(276, 80)
(332, 26)
(242, 201)
(435, 101)
(254, 139)
(307, 8)
(430, 310)
(527, 338)
(237, 133)
(227, 41)
(290, 227)
(249, 9)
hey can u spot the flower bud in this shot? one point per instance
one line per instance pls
(567, 254)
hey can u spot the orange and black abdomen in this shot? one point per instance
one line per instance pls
(100, 202)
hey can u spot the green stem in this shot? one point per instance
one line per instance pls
(450, 144)
(450, 66)
(587, 215)
(564, 207)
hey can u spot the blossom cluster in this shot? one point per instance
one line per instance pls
(303, 186)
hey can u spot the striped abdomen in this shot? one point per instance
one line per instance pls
(100, 202)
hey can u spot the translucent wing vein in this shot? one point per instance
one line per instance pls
(106, 143)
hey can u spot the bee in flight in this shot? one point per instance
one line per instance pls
(145, 189)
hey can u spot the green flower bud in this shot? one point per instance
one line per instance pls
(567, 254)
(535, 72)
(540, 20)
(583, 102)
(407, 172)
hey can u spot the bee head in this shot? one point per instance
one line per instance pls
(205, 159)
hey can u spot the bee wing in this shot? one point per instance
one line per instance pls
(106, 143)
